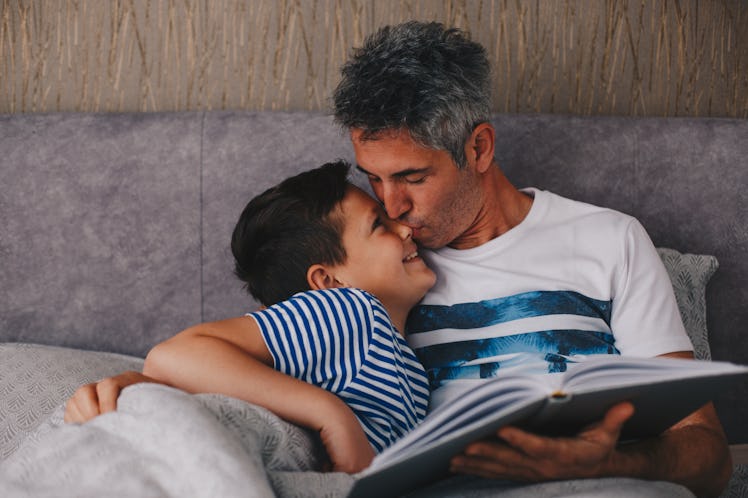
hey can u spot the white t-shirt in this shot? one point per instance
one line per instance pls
(344, 341)
(570, 280)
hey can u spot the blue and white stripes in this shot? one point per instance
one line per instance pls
(476, 340)
(343, 340)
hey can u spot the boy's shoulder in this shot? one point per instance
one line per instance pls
(348, 292)
(339, 295)
(350, 305)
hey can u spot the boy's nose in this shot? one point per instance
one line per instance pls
(403, 231)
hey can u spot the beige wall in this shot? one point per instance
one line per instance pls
(638, 57)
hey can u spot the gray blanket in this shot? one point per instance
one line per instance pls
(162, 442)
(166, 443)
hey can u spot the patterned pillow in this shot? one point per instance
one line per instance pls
(689, 274)
(36, 379)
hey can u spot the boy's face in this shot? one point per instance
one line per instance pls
(381, 256)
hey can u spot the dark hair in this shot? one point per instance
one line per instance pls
(288, 228)
(433, 82)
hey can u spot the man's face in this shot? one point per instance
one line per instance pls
(422, 188)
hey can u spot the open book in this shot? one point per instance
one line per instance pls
(663, 391)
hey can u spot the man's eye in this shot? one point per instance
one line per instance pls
(415, 180)
(374, 179)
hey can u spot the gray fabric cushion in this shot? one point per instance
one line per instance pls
(100, 217)
(689, 274)
(738, 485)
(116, 226)
(36, 379)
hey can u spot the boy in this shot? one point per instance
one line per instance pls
(337, 278)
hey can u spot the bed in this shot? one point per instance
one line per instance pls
(115, 232)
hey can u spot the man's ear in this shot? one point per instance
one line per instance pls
(320, 277)
(481, 145)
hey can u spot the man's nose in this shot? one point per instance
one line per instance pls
(395, 201)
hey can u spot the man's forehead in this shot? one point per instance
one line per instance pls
(362, 135)
(391, 155)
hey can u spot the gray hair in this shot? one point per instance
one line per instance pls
(431, 81)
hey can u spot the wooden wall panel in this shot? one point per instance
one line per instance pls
(630, 57)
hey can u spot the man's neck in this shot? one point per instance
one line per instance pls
(504, 208)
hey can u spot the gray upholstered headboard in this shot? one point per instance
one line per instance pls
(115, 227)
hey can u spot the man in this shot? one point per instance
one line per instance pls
(553, 279)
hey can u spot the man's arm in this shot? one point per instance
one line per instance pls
(693, 453)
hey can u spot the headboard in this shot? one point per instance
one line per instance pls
(115, 227)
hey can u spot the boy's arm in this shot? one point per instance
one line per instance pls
(98, 398)
(230, 357)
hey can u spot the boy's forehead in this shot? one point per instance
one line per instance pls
(356, 203)
(354, 196)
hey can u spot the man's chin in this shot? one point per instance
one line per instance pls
(426, 240)
(429, 239)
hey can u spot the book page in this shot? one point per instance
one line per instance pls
(601, 371)
(488, 399)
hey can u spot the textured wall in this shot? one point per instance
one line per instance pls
(638, 57)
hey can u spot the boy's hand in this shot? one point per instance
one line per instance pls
(345, 441)
(98, 398)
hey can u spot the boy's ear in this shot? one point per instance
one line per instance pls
(319, 277)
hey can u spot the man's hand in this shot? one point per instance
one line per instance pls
(98, 398)
(523, 456)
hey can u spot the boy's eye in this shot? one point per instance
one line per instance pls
(377, 223)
